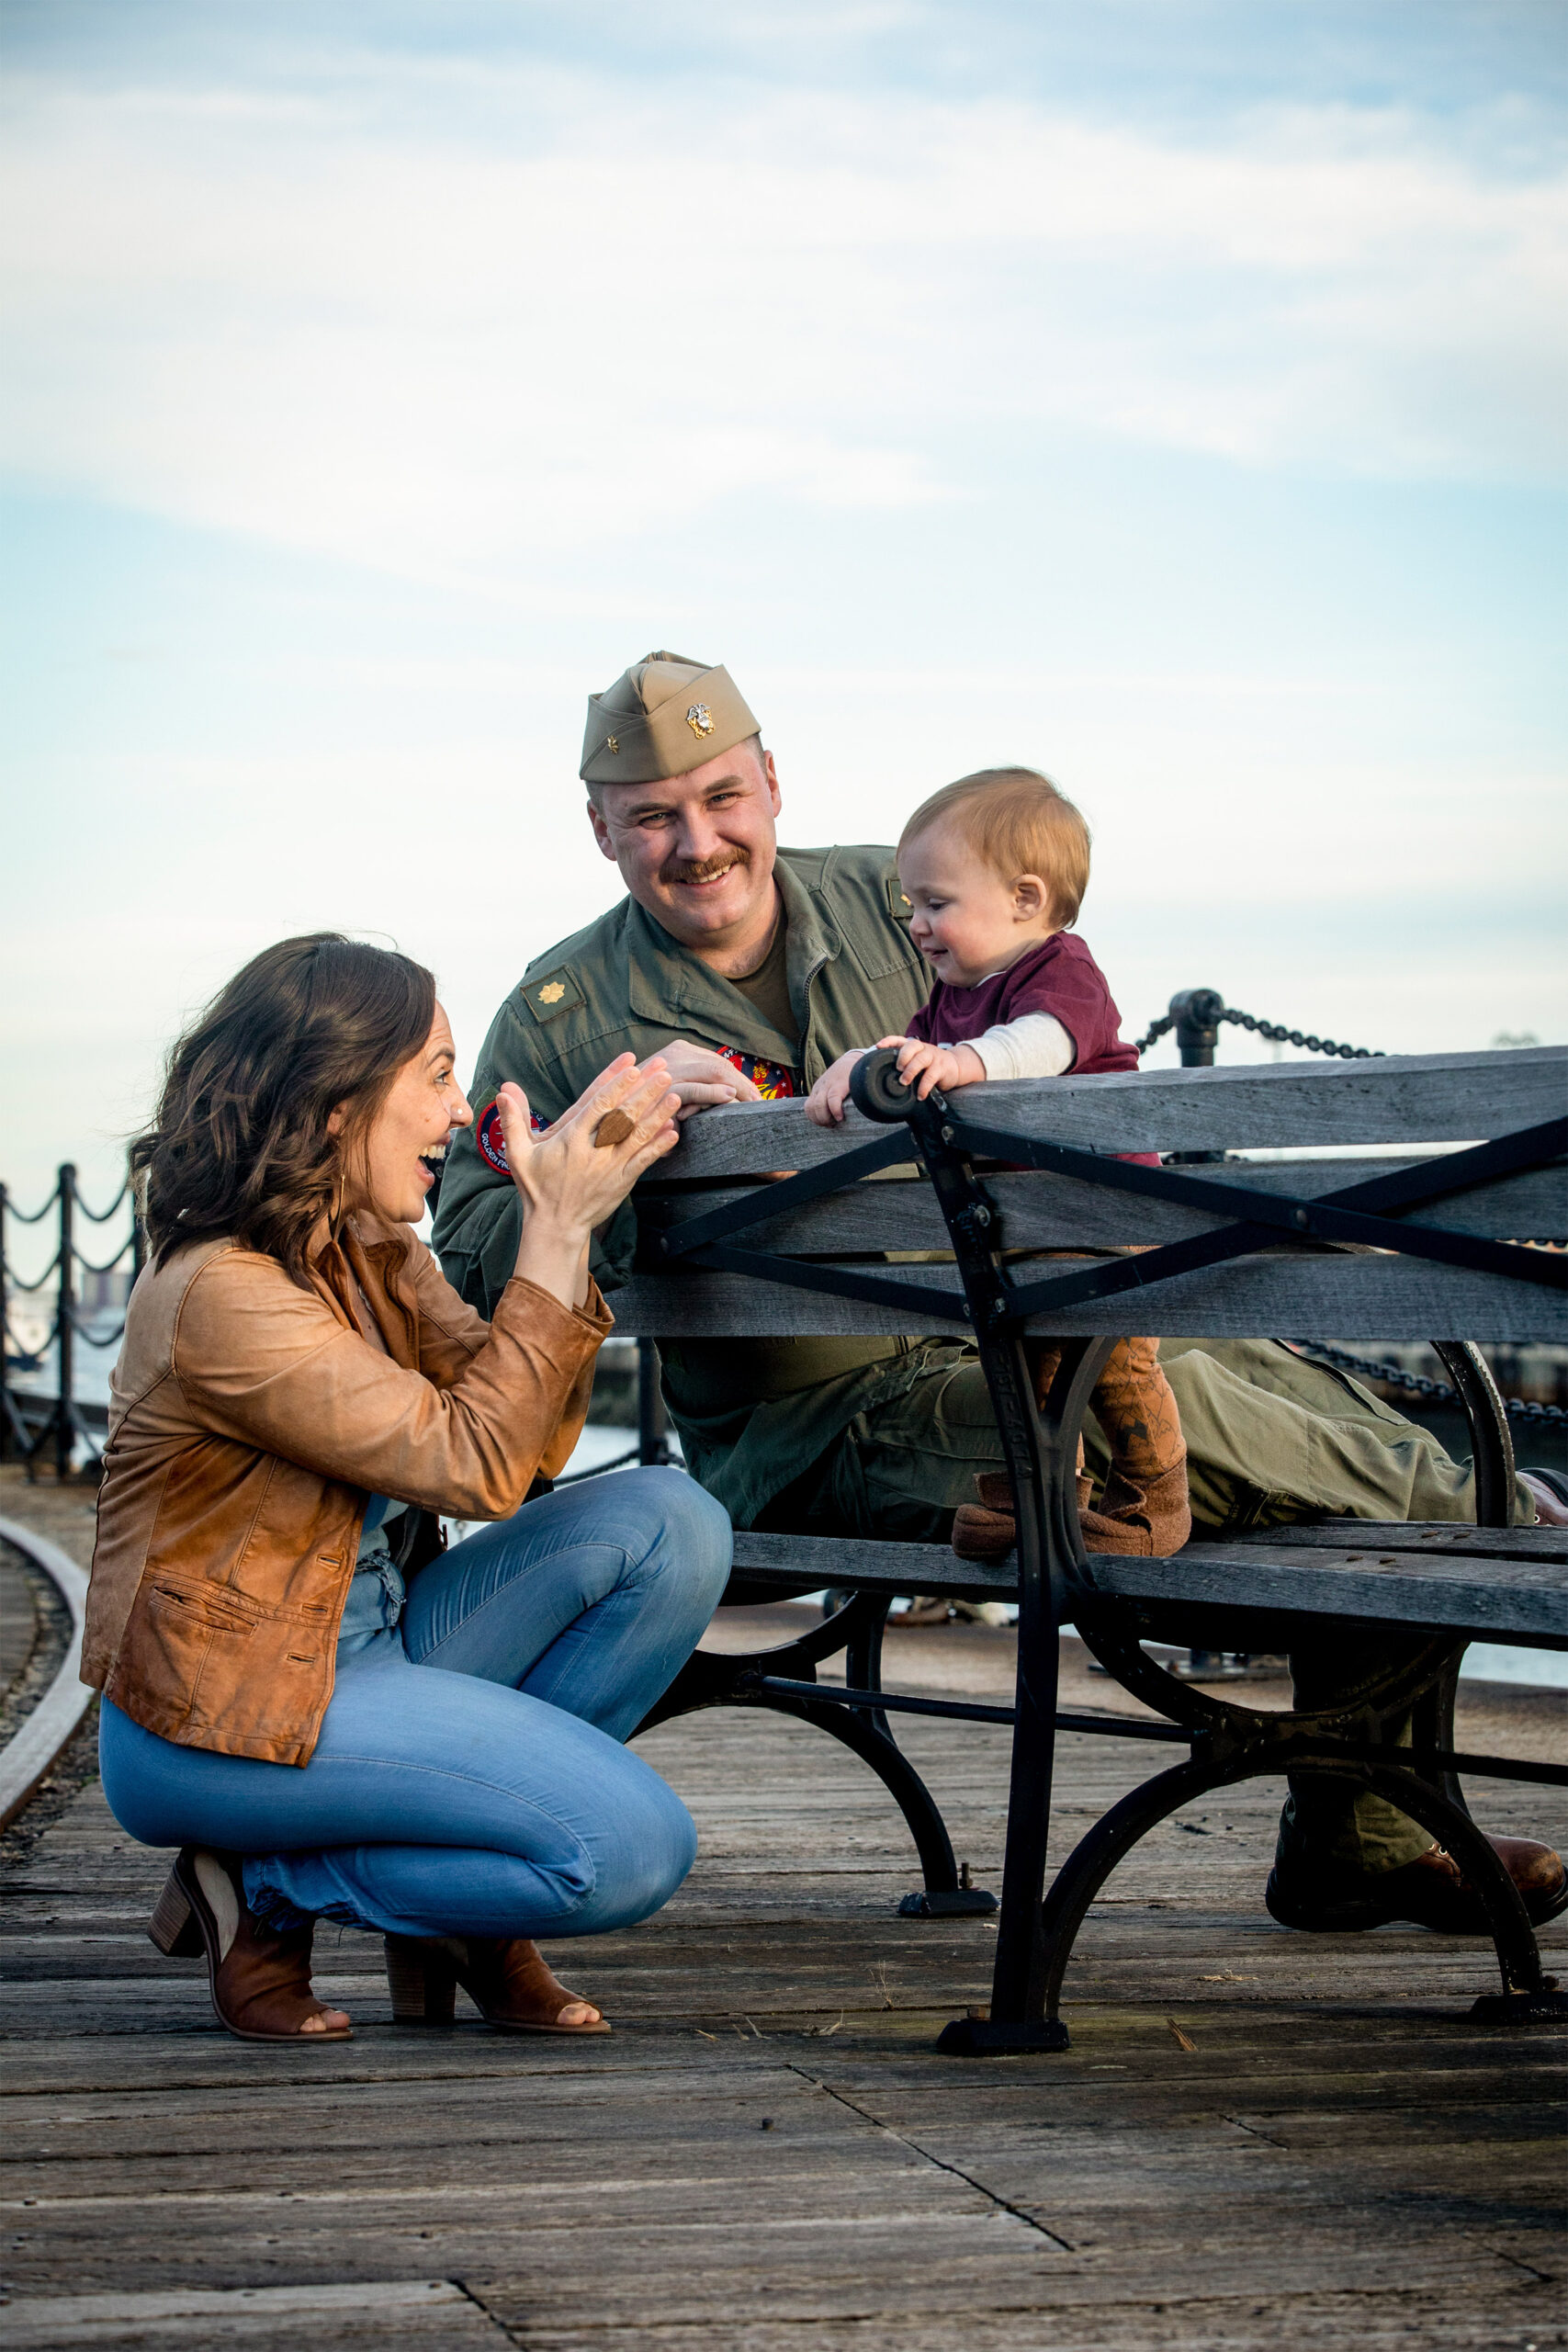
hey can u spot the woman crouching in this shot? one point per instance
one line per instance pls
(331, 1716)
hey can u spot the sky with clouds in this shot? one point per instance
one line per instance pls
(1169, 393)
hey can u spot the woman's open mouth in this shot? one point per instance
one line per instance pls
(433, 1160)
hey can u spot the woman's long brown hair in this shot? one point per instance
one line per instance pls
(240, 1143)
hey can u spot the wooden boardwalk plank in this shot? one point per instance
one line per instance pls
(766, 2153)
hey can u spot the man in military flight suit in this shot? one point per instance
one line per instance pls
(751, 968)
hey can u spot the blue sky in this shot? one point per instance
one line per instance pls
(1167, 395)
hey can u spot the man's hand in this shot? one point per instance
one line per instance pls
(826, 1101)
(943, 1066)
(703, 1078)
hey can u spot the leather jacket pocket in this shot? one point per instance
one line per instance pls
(178, 1641)
(210, 1611)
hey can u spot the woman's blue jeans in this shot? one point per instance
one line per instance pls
(470, 1777)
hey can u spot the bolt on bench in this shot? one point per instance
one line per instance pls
(1412, 1240)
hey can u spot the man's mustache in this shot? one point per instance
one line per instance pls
(703, 869)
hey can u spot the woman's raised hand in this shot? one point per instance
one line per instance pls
(580, 1169)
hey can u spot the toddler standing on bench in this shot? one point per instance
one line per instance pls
(994, 868)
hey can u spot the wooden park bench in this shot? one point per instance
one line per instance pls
(1412, 1240)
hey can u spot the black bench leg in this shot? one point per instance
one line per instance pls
(1432, 1725)
(946, 1894)
(1042, 1452)
(717, 1679)
(1492, 1450)
(942, 1896)
(1096, 1855)
(1526, 1997)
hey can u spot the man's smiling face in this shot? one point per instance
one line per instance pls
(697, 849)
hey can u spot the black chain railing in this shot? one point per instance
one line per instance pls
(1196, 1014)
(63, 1425)
(1418, 1384)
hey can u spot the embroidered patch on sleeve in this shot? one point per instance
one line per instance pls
(493, 1143)
(771, 1080)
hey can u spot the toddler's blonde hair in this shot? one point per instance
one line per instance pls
(1017, 822)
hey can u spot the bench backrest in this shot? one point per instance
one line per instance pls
(1410, 1109)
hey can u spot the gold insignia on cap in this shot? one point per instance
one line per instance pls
(552, 993)
(661, 718)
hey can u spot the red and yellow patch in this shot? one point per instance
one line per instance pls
(493, 1143)
(771, 1080)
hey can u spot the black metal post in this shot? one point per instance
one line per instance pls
(653, 1443)
(1040, 1453)
(1196, 1012)
(1491, 1451)
(65, 1324)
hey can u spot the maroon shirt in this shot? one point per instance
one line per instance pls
(1059, 977)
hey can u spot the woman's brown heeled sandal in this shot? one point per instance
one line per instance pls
(507, 1979)
(260, 1980)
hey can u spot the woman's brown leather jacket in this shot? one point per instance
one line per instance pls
(250, 1422)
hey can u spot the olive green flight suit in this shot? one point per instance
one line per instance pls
(882, 1437)
(624, 984)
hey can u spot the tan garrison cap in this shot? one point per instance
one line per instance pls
(661, 717)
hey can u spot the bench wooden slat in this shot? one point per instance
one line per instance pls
(1379, 1535)
(1466, 1594)
(1521, 1602)
(872, 1566)
(1402, 1098)
(1040, 1212)
(1296, 1293)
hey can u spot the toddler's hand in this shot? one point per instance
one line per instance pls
(826, 1101)
(943, 1066)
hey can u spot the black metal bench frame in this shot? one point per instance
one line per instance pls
(1056, 1583)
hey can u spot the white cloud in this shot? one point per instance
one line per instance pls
(488, 325)
(434, 334)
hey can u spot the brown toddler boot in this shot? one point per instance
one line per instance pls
(1145, 1508)
(986, 1530)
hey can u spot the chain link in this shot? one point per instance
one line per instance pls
(1416, 1383)
(14, 1282)
(1280, 1035)
(102, 1216)
(1275, 1031)
(86, 1324)
(86, 1266)
(32, 1217)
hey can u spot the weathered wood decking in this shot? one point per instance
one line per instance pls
(766, 2153)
